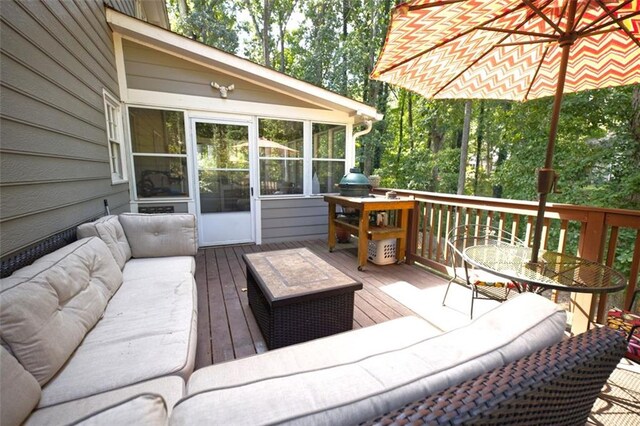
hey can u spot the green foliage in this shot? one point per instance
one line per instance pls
(335, 43)
(211, 22)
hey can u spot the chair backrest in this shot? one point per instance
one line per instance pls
(557, 385)
(461, 237)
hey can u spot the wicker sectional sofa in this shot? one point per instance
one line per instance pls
(103, 332)
(108, 317)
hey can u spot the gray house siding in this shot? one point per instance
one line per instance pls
(56, 58)
(149, 69)
(294, 219)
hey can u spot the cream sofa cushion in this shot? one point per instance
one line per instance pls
(109, 230)
(349, 378)
(142, 410)
(145, 268)
(171, 388)
(47, 308)
(148, 331)
(19, 390)
(160, 235)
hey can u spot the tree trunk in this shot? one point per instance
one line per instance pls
(403, 96)
(635, 132)
(479, 138)
(346, 11)
(464, 149)
(410, 118)
(266, 24)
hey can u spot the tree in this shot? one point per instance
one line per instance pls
(208, 21)
(462, 170)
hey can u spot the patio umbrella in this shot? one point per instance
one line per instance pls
(266, 143)
(513, 49)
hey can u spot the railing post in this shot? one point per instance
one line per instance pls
(590, 247)
(412, 231)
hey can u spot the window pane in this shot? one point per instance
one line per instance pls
(157, 131)
(280, 176)
(224, 191)
(115, 159)
(280, 139)
(328, 174)
(161, 176)
(222, 146)
(329, 141)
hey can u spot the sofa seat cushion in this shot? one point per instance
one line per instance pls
(349, 378)
(47, 308)
(142, 410)
(149, 268)
(170, 388)
(109, 230)
(20, 390)
(147, 331)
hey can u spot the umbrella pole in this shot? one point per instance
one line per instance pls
(546, 175)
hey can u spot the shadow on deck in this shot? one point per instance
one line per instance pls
(227, 329)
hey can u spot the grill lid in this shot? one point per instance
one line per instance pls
(355, 177)
(354, 184)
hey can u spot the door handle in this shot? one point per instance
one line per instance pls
(252, 191)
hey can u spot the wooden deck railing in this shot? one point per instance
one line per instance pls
(589, 232)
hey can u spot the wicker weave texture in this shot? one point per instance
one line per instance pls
(555, 386)
(299, 322)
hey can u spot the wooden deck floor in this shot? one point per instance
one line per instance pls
(227, 329)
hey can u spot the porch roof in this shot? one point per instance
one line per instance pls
(161, 39)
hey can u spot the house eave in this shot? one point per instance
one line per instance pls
(153, 36)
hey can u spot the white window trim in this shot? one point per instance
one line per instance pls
(116, 137)
(307, 158)
(135, 198)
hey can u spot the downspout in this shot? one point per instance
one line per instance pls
(369, 124)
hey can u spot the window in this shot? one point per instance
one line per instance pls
(281, 154)
(328, 157)
(114, 138)
(159, 153)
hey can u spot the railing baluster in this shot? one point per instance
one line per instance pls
(514, 228)
(559, 222)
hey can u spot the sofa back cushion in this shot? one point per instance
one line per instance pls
(368, 371)
(47, 308)
(160, 235)
(19, 390)
(109, 230)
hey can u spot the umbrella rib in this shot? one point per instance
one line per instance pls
(529, 33)
(435, 4)
(535, 75)
(525, 43)
(579, 18)
(619, 23)
(475, 61)
(443, 42)
(543, 16)
(606, 13)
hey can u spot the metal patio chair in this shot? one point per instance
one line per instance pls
(483, 285)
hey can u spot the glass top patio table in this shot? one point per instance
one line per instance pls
(552, 271)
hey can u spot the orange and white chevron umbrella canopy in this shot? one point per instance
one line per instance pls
(510, 49)
(513, 49)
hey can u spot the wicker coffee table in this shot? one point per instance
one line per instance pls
(296, 296)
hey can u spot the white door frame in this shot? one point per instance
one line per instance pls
(230, 120)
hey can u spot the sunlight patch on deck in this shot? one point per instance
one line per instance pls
(427, 303)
